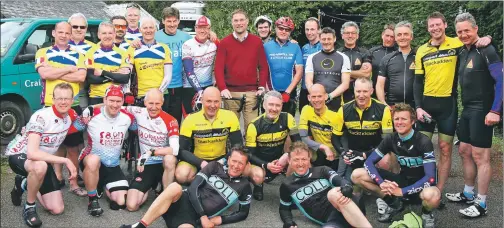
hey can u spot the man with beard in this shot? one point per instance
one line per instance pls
(120, 24)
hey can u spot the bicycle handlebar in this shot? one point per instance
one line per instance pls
(241, 99)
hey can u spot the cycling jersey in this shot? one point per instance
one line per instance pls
(58, 59)
(82, 47)
(106, 135)
(327, 68)
(320, 127)
(265, 139)
(202, 57)
(154, 133)
(207, 140)
(377, 53)
(438, 65)
(400, 75)
(50, 125)
(357, 56)
(282, 59)
(149, 61)
(480, 71)
(415, 155)
(307, 50)
(133, 34)
(364, 127)
(107, 59)
(175, 43)
(213, 191)
(124, 45)
(309, 193)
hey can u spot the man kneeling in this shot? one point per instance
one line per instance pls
(417, 178)
(311, 189)
(215, 188)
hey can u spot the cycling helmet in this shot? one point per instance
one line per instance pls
(263, 17)
(285, 22)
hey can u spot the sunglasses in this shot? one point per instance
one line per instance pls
(133, 5)
(79, 26)
(120, 26)
(284, 29)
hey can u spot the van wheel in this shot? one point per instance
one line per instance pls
(12, 120)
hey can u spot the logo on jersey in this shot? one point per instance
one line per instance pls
(412, 66)
(309, 190)
(151, 137)
(157, 121)
(226, 192)
(40, 120)
(327, 63)
(451, 52)
(89, 62)
(357, 62)
(111, 138)
(40, 60)
(429, 154)
(470, 64)
(411, 162)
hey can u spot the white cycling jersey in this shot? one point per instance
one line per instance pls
(106, 135)
(154, 133)
(50, 125)
(203, 57)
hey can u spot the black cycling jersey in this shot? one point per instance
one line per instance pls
(377, 54)
(309, 193)
(476, 80)
(265, 139)
(213, 191)
(415, 154)
(358, 56)
(400, 75)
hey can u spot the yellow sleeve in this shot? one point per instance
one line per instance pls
(81, 63)
(291, 122)
(418, 62)
(186, 128)
(303, 119)
(40, 57)
(339, 122)
(130, 55)
(251, 136)
(167, 59)
(90, 58)
(386, 121)
(235, 123)
(124, 62)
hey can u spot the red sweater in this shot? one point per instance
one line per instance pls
(237, 64)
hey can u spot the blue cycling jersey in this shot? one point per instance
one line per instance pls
(281, 60)
(175, 43)
(307, 50)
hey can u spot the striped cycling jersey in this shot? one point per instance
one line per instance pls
(108, 59)
(203, 57)
(133, 34)
(82, 47)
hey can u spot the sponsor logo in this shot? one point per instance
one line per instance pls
(111, 138)
(357, 62)
(311, 189)
(470, 64)
(138, 179)
(227, 193)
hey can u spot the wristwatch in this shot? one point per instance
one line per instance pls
(152, 150)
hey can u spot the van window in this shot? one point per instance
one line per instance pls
(10, 32)
(187, 26)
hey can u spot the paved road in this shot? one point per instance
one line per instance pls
(263, 214)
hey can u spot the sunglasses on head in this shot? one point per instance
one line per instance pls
(79, 26)
(133, 5)
(120, 26)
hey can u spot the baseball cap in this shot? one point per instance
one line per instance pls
(203, 21)
(114, 90)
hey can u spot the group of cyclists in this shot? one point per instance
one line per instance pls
(141, 82)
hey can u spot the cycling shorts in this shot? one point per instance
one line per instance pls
(95, 100)
(334, 104)
(303, 99)
(319, 158)
(472, 129)
(336, 218)
(173, 103)
(77, 138)
(50, 182)
(111, 177)
(444, 111)
(149, 178)
(181, 212)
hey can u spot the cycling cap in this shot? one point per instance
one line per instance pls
(114, 90)
(203, 21)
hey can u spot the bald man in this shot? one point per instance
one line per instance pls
(319, 121)
(204, 135)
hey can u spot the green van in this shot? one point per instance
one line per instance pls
(21, 85)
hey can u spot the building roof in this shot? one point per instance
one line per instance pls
(53, 9)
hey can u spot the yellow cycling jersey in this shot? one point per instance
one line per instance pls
(58, 59)
(438, 65)
(269, 136)
(321, 127)
(209, 138)
(108, 59)
(82, 47)
(149, 64)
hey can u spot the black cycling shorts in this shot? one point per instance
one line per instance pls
(149, 178)
(349, 94)
(472, 129)
(173, 103)
(303, 99)
(321, 160)
(77, 138)
(181, 212)
(334, 104)
(336, 218)
(50, 183)
(111, 177)
(444, 111)
(95, 100)
(402, 181)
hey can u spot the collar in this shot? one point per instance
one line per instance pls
(269, 120)
(303, 175)
(244, 37)
(199, 41)
(322, 113)
(408, 136)
(446, 40)
(357, 107)
(106, 48)
(148, 45)
(56, 112)
(79, 43)
(216, 115)
(155, 117)
(328, 52)
(57, 49)
(168, 34)
(315, 44)
(280, 43)
(356, 48)
(137, 30)
(398, 51)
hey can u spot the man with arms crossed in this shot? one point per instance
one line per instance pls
(479, 71)
(312, 29)
(215, 188)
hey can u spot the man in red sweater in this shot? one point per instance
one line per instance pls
(240, 57)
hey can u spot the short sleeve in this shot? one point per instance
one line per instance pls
(187, 127)
(418, 62)
(347, 67)
(130, 55)
(124, 56)
(291, 122)
(40, 57)
(386, 121)
(339, 122)
(234, 122)
(36, 125)
(90, 59)
(385, 145)
(299, 56)
(303, 118)
(81, 62)
(186, 51)
(382, 70)
(167, 59)
(309, 63)
(251, 136)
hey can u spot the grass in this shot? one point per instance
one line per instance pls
(4, 165)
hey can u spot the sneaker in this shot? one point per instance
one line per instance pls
(99, 192)
(459, 198)
(442, 205)
(80, 181)
(258, 192)
(94, 208)
(390, 212)
(17, 191)
(31, 217)
(428, 220)
(474, 211)
(381, 205)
